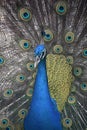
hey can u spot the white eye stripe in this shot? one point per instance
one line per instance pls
(37, 61)
(38, 58)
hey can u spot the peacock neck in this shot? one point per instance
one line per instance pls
(41, 90)
(42, 114)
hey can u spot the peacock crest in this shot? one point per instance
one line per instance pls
(62, 26)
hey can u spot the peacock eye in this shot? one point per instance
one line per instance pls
(10, 127)
(20, 78)
(84, 86)
(58, 49)
(8, 93)
(77, 71)
(25, 14)
(69, 37)
(2, 60)
(67, 122)
(71, 99)
(69, 59)
(4, 123)
(84, 53)
(48, 36)
(29, 92)
(30, 66)
(25, 44)
(61, 8)
(22, 113)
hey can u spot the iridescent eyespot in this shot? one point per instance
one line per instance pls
(4, 122)
(20, 78)
(84, 86)
(8, 93)
(69, 37)
(48, 36)
(71, 100)
(58, 49)
(10, 127)
(22, 113)
(25, 14)
(30, 66)
(29, 92)
(77, 71)
(25, 44)
(69, 59)
(67, 122)
(61, 8)
(84, 53)
(2, 60)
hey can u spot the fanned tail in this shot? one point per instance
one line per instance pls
(62, 26)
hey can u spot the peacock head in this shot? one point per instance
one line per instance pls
(40, 53)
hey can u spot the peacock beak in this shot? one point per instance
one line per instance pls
(37, 60)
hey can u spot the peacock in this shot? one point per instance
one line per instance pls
(43, 65)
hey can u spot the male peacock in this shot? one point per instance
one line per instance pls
(43, 112)
(62, 26)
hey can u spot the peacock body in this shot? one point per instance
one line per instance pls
(43, 112)
(52, 95)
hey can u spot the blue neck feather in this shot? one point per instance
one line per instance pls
(42, 114)
(41, 91)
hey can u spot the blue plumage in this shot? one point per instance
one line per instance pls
(62, 26)
(43, 114)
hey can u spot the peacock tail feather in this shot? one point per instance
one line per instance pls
(62, 26)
